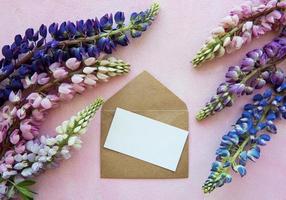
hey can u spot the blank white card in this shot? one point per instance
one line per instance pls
(146, 139)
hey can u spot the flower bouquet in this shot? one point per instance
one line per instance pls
(44, 67)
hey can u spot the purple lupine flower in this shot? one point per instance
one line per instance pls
(251, 74)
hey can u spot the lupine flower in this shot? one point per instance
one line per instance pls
(242, 143)
(42, 153)
(251, 20)
(49, 95)
(78, 40)
(255, 70)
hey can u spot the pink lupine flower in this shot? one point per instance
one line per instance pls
(60, 73)
(28, 130)
(15, 137)
(257, 31)
(27, 82)
(274, 15)
(20, 147)
(54, 66)
(77, 78)
(79, 88)
(73, 63)
(65, 88)
(46, 103)
(90, 79)
(9, 159)
(34, 99)
(43, 79)
(237, 42)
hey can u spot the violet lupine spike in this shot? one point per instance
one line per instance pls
(81, 40)
(21, 121)
(252, 130)
(251, 20)
(255, 70)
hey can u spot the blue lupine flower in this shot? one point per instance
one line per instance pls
(242, 143)
(106, 22)
(119, 18)
(29, 34)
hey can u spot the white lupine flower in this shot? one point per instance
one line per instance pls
(52, 152)
(20, 165)
(35, 148)
(25, 156)
(77, 129)
(8, 174)
(43, 139)
(18, 158)
(89, 61)
(29, 145)
(105, 62)
(65, 153)
(103, 69)
(31, 157)
(102, 76)
(42, 159)
(72, 140)
(27, 172)
(82, 131)
(59, 138)
(36, 167)
(51, 141)
(43, 152)
(89, 70)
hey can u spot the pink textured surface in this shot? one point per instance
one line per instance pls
(165, 51)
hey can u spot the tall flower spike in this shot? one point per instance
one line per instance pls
(251, 20)
(70, 40)
(256, 69)
(250, 132)
(47, 96)
(45, 152)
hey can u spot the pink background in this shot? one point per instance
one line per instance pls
(165, 51)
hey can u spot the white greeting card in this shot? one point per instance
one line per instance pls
(146, 139)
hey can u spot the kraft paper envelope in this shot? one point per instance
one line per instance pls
(148, 97)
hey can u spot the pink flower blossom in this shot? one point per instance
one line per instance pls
(73, 63)
(77, 78)
(60, 73)
(29, 131)
(15, 137)
(43, 79)
(35, 99)
(20, 147)
(46, 103)
(65, 88)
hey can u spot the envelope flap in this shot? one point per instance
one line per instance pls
(145, 93)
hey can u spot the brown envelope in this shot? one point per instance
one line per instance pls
(148, 97)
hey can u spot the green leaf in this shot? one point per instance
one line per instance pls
(25, 192)
(26, 183)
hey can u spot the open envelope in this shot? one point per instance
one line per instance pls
(148, 97)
